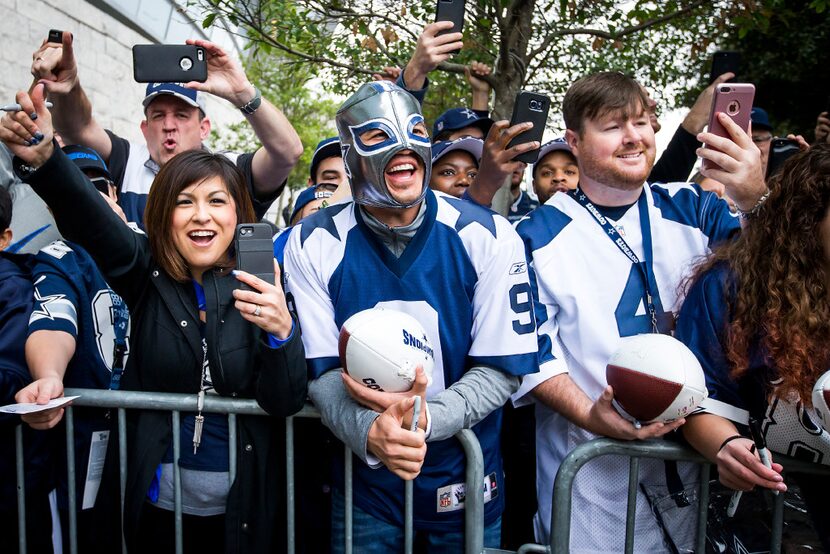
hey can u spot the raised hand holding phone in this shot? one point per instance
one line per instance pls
(734, 100)
(529, 107)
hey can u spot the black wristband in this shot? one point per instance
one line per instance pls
(728, 440)
(253, 104)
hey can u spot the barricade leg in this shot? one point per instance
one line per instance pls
(631, 509)
(122, 468)
(474, 481)
(289, 485)
(70, 476)
(347, 512)
(177, 481)
(21, 489)
(231, 448)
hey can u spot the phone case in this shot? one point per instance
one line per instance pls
(723, 61)
(255, 250)
(450, 10)
(735, 100)
(169, 63)
(529, 106)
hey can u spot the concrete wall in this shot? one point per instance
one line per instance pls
(103, 42)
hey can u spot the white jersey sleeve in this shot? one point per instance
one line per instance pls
(307, 287)
(504, 324)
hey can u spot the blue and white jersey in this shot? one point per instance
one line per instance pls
(280, 239)
(72, 296)
(523, 205)
(789, 426)
(464, 277)
(587, 295)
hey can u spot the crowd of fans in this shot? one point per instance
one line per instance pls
(117, 271)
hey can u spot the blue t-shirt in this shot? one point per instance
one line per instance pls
(788, 425)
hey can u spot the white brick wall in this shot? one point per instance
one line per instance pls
(102, 48)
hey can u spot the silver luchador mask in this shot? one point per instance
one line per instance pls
(380, 105)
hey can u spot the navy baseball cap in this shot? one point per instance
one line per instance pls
(760, 119)
(87, 158)
(458, 118)
(326, 148)
(306, 196)
(472, 145)
(188, 95)
(547, 148)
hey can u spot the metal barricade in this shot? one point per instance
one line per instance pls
(178, 403)
(658, 449)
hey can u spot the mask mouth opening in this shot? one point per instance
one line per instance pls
(400, 168)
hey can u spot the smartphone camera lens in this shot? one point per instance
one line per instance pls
(185, 64)
(536, 105)
(246, 231)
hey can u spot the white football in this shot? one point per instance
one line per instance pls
(381, 348)
(655, 378)
(821, 400)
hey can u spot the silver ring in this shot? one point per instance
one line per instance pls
(258, 310)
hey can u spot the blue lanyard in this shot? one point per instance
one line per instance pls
(120, 320)
(201, 302)
(619, 241)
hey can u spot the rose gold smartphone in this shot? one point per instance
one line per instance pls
(735, 100)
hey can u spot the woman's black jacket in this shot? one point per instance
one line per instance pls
(165, 354)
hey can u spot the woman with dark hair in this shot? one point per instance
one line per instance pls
(193, 331)
(757, 315)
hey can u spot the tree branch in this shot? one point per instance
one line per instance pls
(348, 12)
(546, 44)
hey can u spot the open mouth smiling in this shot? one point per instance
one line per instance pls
(201, 237)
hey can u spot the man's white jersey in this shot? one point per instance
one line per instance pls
(588, 294)
(464, 277)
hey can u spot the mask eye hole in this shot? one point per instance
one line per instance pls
(374, 136)
(416, 129)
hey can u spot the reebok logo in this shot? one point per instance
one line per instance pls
(517, 268)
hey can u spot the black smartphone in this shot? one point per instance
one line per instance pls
(255, 250)
(451, 10)
(780, 150)
(169, 63)
(533, 107)
(101, 184)
(725, 61)
(55, 36)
